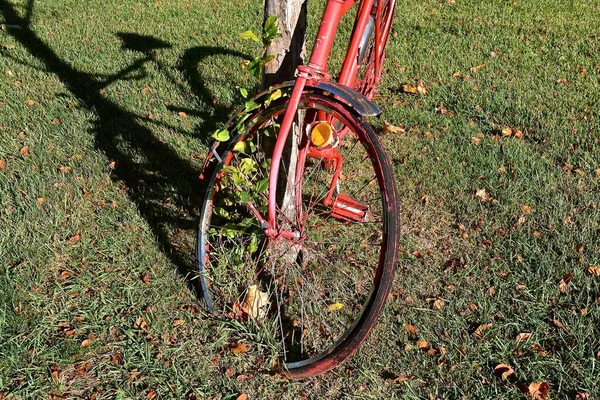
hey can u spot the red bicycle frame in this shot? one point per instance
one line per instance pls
(316, 69)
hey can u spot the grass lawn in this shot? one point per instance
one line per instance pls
(106, 111)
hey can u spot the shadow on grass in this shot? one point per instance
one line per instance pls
(164, 187)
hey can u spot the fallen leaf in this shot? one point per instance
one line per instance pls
(520, 286)
(476, 141)
(526, 209)
(242, 396)
(583, 396)
(112, 164)
(538, 390)
(422, 344)
(238, 348)
(389, 128)
(482, 195)
(503, 371)
(64, 170)
(146, 279)
(255, 303)
(2, 164)
(55, 121)
(580, 248)
(401, 379)
(562, 285)
(40, 200)
(178, 322)
(439, 304)
(140, 323)
(480, 329)
(594, 270)
(146, 90)
(86, 342)
(24, 151)
(559, 324)
(116, 359)
(182, 114)
(411, 329)
(579, 172)
(472, 306)
(512, 132)
(29, 102)
(523, 336)
(74, 238)
(419, 88)
(538, 349)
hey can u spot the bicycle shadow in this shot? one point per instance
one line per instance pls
(164, 186)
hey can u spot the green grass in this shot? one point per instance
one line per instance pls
(112, 243)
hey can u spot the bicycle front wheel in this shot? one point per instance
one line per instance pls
(309, 299)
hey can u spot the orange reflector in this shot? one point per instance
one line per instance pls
(321, 134)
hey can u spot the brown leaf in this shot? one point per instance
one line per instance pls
(55, 121)
(112, 164)
(229, 373)
(86, 342)
(401, 379)
(476, 141)
(439, 304)
(559, 324)
(145, 90)
(256, 302)
(2, 164)
(178, 322)
(389, 128)
(482, 195)
(29, 102)
(594, 270)
(182, 114)
(64, 170)
(74, 238)
(562, 285)
(503, 371)
(580, 248)
(146, 279)
(24, 151)
(116, 359)
(472, 306)
(538, 349)
(238, 348)
(583, 396)
(422, 344)
(140, 323)
(480, 329)
(242, 396)
(521, 286)
(523, 336)
(411, 329)
(40, 200)
(151, 395)
(538, 390)
(526, 209)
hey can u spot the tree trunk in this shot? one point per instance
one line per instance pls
(289, 49)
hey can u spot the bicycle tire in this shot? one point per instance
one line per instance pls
(343, 306)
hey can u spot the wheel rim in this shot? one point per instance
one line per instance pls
(299, 298)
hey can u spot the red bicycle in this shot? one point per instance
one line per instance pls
(299, 228)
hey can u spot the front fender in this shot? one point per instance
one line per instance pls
(354, 99)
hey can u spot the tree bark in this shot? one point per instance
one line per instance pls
(289, 50)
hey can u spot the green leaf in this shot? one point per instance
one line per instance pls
(255, 67)
(221, 135)
(251, 105)
(243, 91)
(249, 35)
(241, 147)
(262, 185)
(270, 30)
(245, 197)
